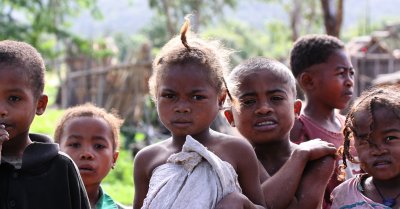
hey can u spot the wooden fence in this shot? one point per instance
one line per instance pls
(120, 87)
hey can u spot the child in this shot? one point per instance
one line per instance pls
(263, 104)
(33, 173)
(374, 124)
(325, 74)
(196, 166)
(90, 136)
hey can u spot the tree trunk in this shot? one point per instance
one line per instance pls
(196, 16)
(333, 17)
(170, 24)
(295, 19)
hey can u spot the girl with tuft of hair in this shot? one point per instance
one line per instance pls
(196, 167)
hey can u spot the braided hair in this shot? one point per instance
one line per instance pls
(386, 96)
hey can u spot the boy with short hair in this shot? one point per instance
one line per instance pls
(33, 173)
(326, 76)
(262, 107)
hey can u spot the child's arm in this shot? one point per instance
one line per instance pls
(248, 175)
(236, 200)
(141, 178)
(316, 177)
(282, 189)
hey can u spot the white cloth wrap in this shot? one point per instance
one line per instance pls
(194, 178)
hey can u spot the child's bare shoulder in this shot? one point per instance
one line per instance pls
(234, 142)
(296, 131)
(232, 148)
(153, 155)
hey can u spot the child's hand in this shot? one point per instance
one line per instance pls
(3, 137)
(317, 148)
(235, 200)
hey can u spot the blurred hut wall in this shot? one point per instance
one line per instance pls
(375, 55)
(120, 87)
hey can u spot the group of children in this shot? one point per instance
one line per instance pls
(288, 160)
(33, 172)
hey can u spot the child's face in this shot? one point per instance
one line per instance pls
(89, 142)
(380, 153)
(18, 105)
(263, 110)
(187, 103)
(334, 80)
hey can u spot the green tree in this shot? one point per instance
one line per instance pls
(309, 16)
(41, 23)
(203, 10)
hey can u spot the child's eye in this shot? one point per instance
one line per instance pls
(99, 146)
(363, 142)
(247, 102)
(390, 138)
(198, 97)
(167, 96)
(14, 98)
(74, 145)
(277, 98)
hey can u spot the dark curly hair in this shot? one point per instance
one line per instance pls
(312, 49)
(386, 96)
(90, 110)
(20, 55)
(189, 49)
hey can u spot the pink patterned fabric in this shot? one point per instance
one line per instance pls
(348, 195)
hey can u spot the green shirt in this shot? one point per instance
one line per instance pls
(106, 202)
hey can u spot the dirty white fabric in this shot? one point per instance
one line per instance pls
(194, 178)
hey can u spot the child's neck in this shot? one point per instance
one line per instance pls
(274, 154)
(203, 137)
(319, 112)
(326, 117)
(93, 192)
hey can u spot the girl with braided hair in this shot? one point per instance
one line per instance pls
(374, 124)
(196, 167)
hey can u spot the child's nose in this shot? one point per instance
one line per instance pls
(3, 111)
(86, 155)
(182, 107)
(264, 108)
(349, 80)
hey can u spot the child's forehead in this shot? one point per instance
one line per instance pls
(337, 59)
(377, 115)
(263, 80)
(19, 74)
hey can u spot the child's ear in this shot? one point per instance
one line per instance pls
(115, 157)
(306, 80)
(229, 116)
(297, 107)
(221, 100)
(41, 104)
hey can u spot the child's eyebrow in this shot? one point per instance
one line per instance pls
(99, 138)
(272, 91)
(344, 67)
(389, 130)
(247, 94)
